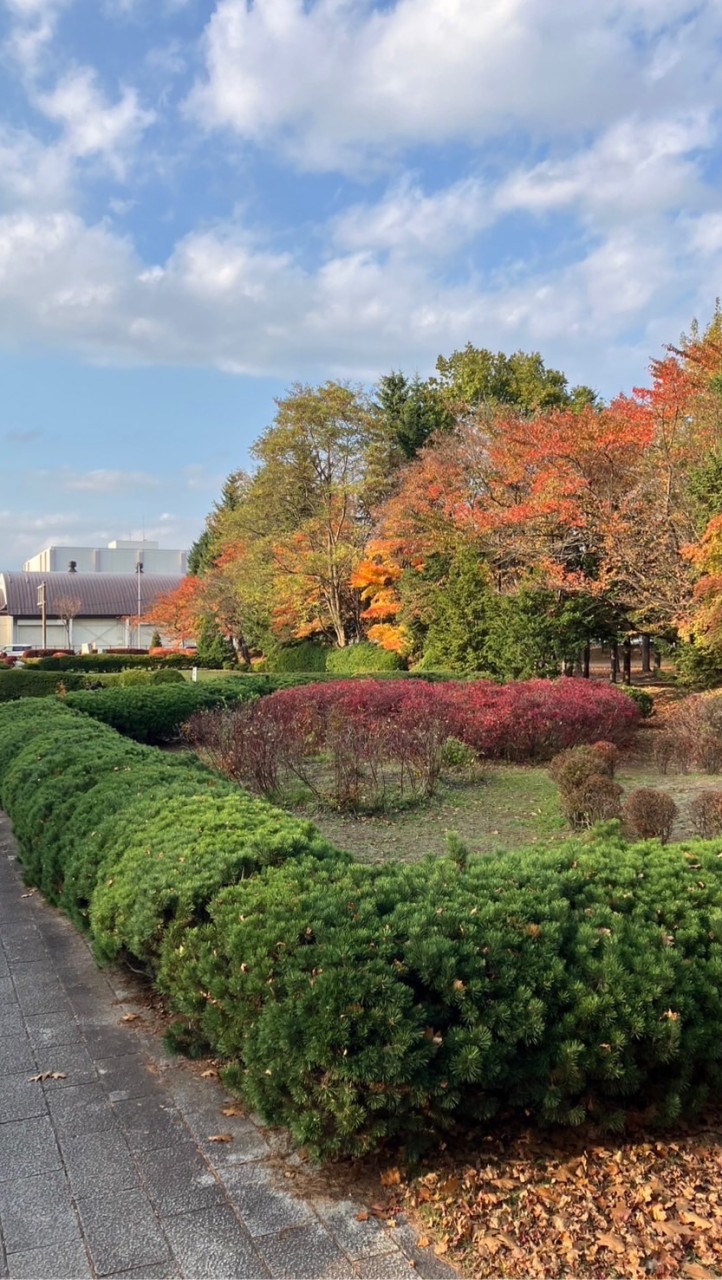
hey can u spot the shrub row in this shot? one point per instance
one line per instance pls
(355, 659)
(154, 714)
(26, 683)
(356, 1003)
(362, 1003)
(152, 838)
(107, 662)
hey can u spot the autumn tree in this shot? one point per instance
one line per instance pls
(178, 614)
(301, 518)
(67, 608)
(477, 376)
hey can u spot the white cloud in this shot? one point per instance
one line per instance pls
(32, 175)
(339, 82)
(407, 220)
(635, 169)
(222, 299)
(91, 125)
(107, 481)
(32, 31)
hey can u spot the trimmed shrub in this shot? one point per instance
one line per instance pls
(129, 841)
(360, 659)
(536, 719)
(705, 813)
(304, 657)
(648, 814)
(358, 1004)
(584, 776)
(108, 662)
(578, 983)
(127, 679)
(609, 754)
(27, 682)
(573, 767)
(155, 715)
(597, 798)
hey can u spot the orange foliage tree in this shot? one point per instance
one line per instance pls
(178, 614)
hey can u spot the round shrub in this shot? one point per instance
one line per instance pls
(456, 754)
(609, 754)
(705, 813)
(648, 814)
(572, 768)
(596, 798)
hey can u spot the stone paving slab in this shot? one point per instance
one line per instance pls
(109, 1171)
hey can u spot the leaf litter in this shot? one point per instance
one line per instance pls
(554, 1205)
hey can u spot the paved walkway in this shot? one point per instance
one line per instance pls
(109, 1171)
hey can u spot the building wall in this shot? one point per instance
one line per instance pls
(104, 633)
(119, 557)
(6, 632)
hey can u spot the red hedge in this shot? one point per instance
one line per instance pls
(529, 720)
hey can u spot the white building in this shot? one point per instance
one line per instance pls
(117, 557)
(98, 609)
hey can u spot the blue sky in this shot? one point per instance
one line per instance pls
(203, 201)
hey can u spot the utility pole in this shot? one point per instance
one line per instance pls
(138, 573)
(43, 614)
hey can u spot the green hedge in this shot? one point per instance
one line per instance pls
(304, 657)
(26, 682)
(359, 659)
(110, 662)
(357, 1004)
(154, 714)
(361, 1003)
(143, 840)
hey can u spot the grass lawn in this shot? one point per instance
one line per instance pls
(492, 808)
(496, 808)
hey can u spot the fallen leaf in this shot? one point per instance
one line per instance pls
(28, 895)
(424, 1242)
(609, 1241)
(231, 1111)
(696, 1272)
(391, 1178)
(362, 1216)
(130, 1017)
(48, 1075)
(221, 1137)
(209, 1074)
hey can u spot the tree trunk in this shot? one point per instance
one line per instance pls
(627, 653)
(586, 660)
(646, 654)
(578, 664)
(242, 650)
(657, 659)
(613, 661)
